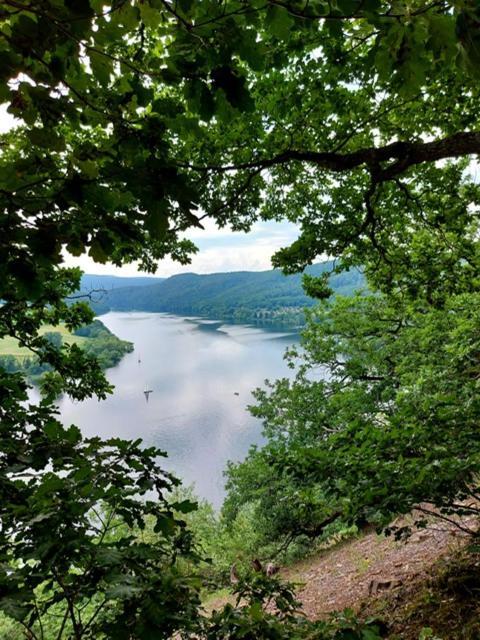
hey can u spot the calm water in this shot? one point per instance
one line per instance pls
(195, 373)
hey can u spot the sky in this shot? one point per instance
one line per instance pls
(219, 249)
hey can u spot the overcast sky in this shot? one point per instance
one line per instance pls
(219, 249)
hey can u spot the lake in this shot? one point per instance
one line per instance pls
(201, 375)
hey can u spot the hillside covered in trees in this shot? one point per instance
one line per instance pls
(94, 339)
(101, 282)
(241, 295)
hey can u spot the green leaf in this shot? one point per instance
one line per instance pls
(279, 22)
(97, 252)
(156, 221)
(47, 138)
(256, 611)
(252, 51)
(101, 67)
(348, 7)
(150, 16)
(88, 168)
(166, 525)
(186, 506)
(122, 590)
(15, 608)
(234, 87)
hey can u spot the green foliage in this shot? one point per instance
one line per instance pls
(32, 368)
(59, 522)
(354, 120)
(128, 128)
(101, 344)
(269, 611)
(54, 338)
(220, 542)
(381, 416)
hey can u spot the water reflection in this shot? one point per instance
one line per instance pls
(201, 377)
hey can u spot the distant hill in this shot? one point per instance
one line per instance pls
(239, 295)
(92, 281)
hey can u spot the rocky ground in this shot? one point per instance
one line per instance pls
(432, 580)
(369, 567)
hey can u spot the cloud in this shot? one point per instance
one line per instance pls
(219, 250)
(7, 121)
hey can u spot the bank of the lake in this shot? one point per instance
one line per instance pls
(201, 375)
(94, 339)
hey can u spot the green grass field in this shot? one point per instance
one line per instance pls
(10, 347)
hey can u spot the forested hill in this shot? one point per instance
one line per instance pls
(240, 295)
(99, 282)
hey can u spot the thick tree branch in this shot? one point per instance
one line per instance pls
(384, 163)
(359, 11)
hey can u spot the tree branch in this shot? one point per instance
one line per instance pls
(87, 294)
(400, 156)
(451, 521)
(359, 12)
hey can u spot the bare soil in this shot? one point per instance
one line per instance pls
(431, 580)
(368, 567)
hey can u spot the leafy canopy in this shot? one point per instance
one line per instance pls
(138, 113)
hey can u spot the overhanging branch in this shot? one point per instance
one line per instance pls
(384, 163)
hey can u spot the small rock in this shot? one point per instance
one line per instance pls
(383, 585)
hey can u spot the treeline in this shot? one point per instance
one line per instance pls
(30, 366)
(265, 296)
(107, 348)
(100, 343)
